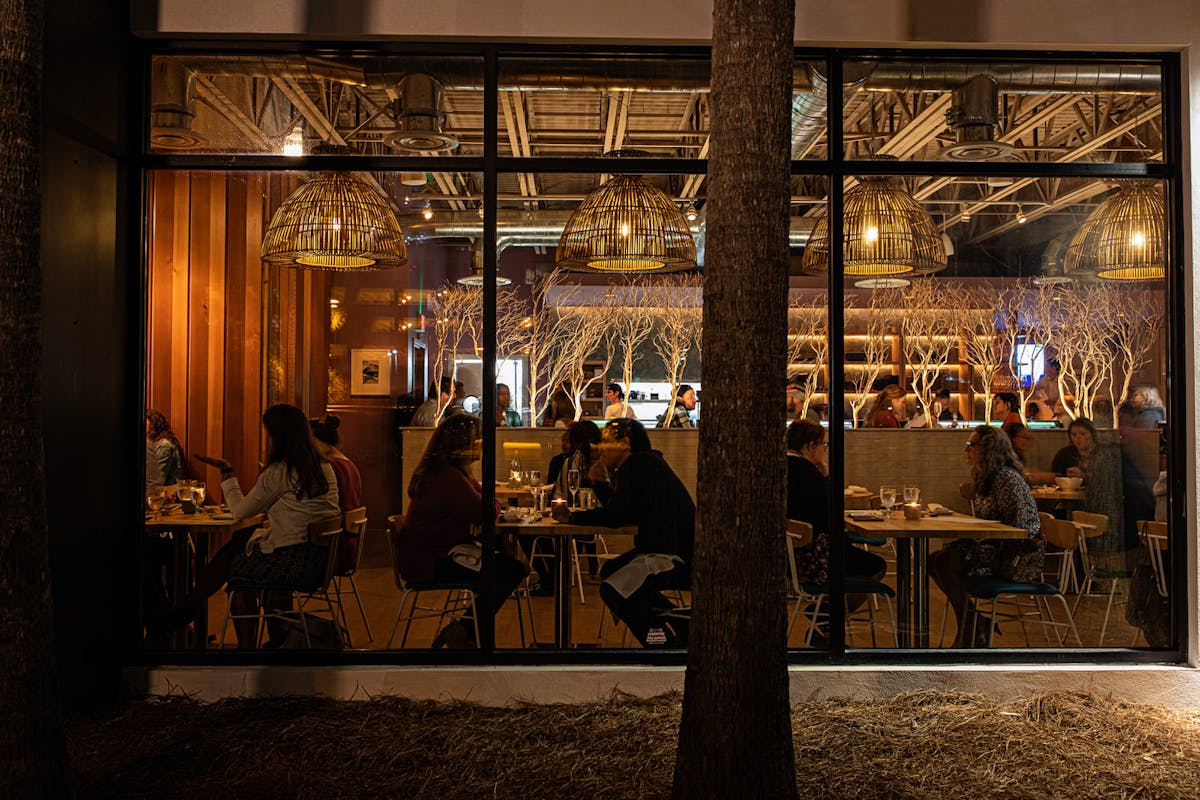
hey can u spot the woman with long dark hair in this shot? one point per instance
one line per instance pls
(1001, 494)
(438, 537)
(167, 450)
(296, 488)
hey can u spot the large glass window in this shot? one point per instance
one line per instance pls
(1006, 261)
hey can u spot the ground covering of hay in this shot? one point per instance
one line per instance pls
(918, 745)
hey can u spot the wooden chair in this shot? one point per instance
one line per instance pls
(1090, 526)
(354, 524)
(323, 533)
(1062, 534)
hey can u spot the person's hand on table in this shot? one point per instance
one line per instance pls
(560, 512)
(1074, 472)
(220, 463)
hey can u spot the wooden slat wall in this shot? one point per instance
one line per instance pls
(208, 328)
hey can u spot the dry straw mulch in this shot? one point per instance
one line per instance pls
(918, 745)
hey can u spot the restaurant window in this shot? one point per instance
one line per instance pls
(1005, 258)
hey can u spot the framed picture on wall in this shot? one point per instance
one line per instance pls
(370, 372)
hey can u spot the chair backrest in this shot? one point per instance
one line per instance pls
(1059, 532)
(799, 534)
(393, 535)
(1098, 523)
(354, 524)
(1154, 538)
(325, 533)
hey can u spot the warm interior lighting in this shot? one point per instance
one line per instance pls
(885, 232)
(427, 212)
(293, 143)
(691, 214)
(334, 221)
(1124, 238)
(1021, 218)
(626, 225)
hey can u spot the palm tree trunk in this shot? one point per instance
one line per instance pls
(735, 735)
(32, 748)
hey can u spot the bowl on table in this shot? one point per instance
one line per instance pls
(1068, 484)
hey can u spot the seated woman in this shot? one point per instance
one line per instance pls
(1099, 464)
(437, 540)
(808, 501)
(167, 450)
(349, 481)
(1001, 494)
(1144, 408)
(579, 440)
(887, 410)
(296, 488)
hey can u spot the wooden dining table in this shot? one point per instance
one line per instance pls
(196, 529)
(561, 533)
(1053, 493)
(912, 557)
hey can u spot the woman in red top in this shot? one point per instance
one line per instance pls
(349, 483)
(437, 540)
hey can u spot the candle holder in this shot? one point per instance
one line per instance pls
(912, 510)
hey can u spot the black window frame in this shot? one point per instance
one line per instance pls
(836, 167)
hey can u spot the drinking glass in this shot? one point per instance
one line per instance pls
(887, 498)
(183, 491)
(573, 484)
(199, 492)
(154, 499)
(912, 494)
(535, 478)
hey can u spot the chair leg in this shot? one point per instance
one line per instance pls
(400, 612)
(416, 598)
(1112, 591)
(576, 573)
(812, 626)
(361, 611)
(1070, 620)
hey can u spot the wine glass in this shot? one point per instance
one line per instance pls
(887, 498)
(535, 478)
(154, 499)
(183, 491)
(573, 484)
(199, 492)
(912, 494)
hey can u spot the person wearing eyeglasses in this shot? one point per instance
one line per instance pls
(1000, 494)
(808, 501)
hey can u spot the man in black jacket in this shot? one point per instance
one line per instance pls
(645, 492)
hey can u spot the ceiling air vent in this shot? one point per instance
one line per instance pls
(173, 107)
(973, 117)
(419, 117)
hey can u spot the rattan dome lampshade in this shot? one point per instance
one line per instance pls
(335, 221)
(886, 232)
(626, 225)
(1124, 239)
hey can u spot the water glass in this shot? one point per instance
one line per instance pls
(535, 478)
(887, 498)
(912, 494)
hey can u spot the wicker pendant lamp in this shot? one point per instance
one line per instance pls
(1124, 239)
(337, 222)
(885, 232)
(626, 225)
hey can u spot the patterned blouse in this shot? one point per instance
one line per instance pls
(1010, 502)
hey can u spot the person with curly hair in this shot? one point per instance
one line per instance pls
(1002, 494)
(168, 452)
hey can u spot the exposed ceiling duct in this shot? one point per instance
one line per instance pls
(419, 114)
(517, 230)
(174, 106)
(973, 117)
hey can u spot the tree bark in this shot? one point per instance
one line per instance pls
(33, 761)
(735, 735)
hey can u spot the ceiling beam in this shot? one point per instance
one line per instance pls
(218, 101)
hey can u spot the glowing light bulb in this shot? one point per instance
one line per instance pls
(691, 213)
(1138, 239)
(1020, 216)
(427, 212)
(871, 234)
(624, 228)
(293, 143)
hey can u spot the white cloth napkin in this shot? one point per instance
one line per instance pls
(629, 578)
(469, 555)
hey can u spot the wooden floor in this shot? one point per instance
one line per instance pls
(380, 599)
